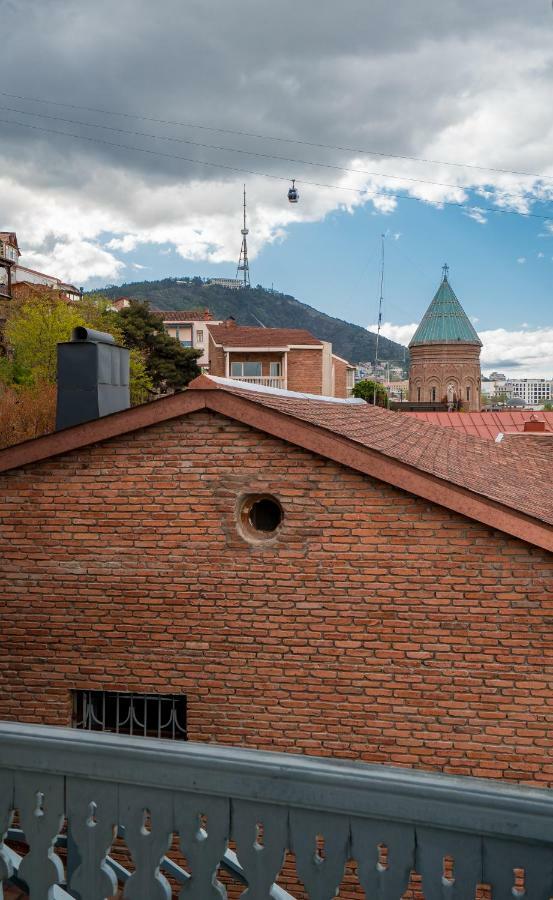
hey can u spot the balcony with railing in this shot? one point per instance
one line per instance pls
(192, 816)
(271, 381)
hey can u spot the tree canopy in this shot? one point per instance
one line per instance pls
(371, 391)
(170, 366)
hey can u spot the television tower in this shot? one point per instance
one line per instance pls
(243, 264)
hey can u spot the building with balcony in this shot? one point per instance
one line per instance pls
(17, 280)
(189, 327)
(284, 358)
(9, 255)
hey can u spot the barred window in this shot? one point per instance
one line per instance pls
(149, 715)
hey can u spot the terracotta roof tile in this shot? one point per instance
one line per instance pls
(183, 315)
(500, 473)
(483, 424)
(254, 336)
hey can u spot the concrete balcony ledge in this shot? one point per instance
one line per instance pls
(151, 791)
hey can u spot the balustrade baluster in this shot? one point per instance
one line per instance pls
(6, 814)
(91, 819)
(433, 847)
(383, 881)
(147, 816)
(40, 801)
(501, 858)
(203, 824)
(321, 872)
(261, 835)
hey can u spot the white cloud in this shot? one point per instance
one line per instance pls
(521, 260)
(522, 353)
(478, 214)
(519, 353)
(126, 244)
(73, 261)
(62, 192)
(400, 333)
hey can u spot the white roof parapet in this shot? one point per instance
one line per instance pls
(280, 392)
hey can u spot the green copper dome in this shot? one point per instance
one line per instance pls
(445, 321)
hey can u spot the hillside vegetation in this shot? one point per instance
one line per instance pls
(259, 306)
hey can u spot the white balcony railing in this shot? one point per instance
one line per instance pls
(145, 795)
(271, 381)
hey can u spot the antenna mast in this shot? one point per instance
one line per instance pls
(243, 264)
(380, 303)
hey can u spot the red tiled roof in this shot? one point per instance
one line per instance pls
(483, 424)
(477, 478)
(254, 336)
(183, 315)
(479, 465)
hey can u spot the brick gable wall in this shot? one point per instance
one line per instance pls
(340, 378)
(377, 626)
(305, 371)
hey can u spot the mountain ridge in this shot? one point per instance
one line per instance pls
(258, 306)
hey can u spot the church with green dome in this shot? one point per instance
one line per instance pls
(445, 354)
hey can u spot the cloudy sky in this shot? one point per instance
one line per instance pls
(128, 129)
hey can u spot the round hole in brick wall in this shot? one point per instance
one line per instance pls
(260, 516)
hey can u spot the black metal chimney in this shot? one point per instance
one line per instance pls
(93, 377)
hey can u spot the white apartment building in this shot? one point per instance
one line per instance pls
(189, 327)
(534, 391)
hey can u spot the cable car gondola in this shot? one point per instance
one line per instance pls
(293, 193)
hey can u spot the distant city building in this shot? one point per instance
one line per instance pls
(445, 354)
(533, 391)
(496, 376)
(234, 284)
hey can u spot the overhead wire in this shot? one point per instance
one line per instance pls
(302, 162)
(382, 192)
(266, 137)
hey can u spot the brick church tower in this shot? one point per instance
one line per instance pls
(445, 354)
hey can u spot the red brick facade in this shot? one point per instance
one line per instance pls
(305, 371)
(445, 372)
(377, 625)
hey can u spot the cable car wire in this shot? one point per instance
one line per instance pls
(267, 137)
(383, 192)
(302, 162)
(240, 150)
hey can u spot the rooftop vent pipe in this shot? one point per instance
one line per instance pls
(93, 377)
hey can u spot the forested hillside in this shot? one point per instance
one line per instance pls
(258, 306)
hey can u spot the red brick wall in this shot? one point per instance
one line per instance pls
(305, 371)
(376, 626)
(340, 377)
(216, 358)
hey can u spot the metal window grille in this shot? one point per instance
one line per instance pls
(150, 715)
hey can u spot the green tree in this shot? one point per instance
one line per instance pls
(371, 391)
(169, 366)
(33, 332)
(548, 407)
(141, 385)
